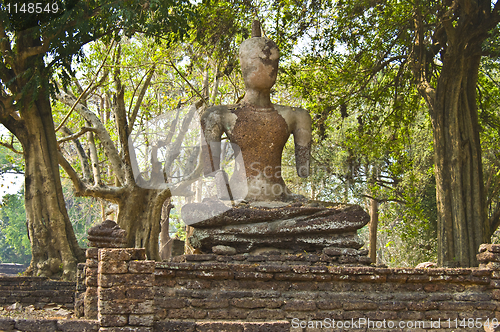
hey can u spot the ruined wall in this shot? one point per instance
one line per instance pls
(280, 293)
(277, 291)
(37, 291)
(48, 325)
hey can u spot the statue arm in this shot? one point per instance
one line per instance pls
(302, 135)
(212, 131)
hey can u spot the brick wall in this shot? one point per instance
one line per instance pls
(203, 293)
(272, 292)
(36, 291)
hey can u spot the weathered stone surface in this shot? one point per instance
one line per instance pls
(175, 326)
(223, 250)
(126, 306)
(488, 256)
(111, 267)
(107, 235)
(36, 325)
(77, 325)
(126, 279)
(319, 228)
(126, 329)
(141, 320)
(6, 324)
(90, 303)
(141, 267)
(125, 254)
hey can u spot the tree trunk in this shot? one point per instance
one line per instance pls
(373, 229)
(165, 240)
(55, 251)
(461, 203)
(139, 213)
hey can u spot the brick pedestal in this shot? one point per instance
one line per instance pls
(125, 290)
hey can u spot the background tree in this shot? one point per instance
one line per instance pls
(435, 48)
(34, 46)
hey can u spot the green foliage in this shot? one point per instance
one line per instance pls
(84, 212)
(14, 243)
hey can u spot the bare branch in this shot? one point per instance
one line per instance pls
(138, 103)
(11, 147)
(121, 121)
(384, 200)
(108, 193)
(81, 154)
(78, 184)
(87, 89)
(77, 135)
(94, 160)
(108, 145)
(187, 81)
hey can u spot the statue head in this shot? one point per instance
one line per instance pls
(259, 57)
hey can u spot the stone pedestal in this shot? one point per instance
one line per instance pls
(125, 290)
(292, 228)
(489, 256)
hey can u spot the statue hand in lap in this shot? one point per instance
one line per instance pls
(259, 128)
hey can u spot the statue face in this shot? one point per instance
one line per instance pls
(259, 62)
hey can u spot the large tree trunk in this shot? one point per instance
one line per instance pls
(139, 213)
(55, 251)
(461, 203)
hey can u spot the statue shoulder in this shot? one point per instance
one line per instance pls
(293, 115)
(215, 112)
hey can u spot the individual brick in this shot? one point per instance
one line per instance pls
(171, 302)
(141, 266)
(127, 306)
(253, 275)
(297, 305)
(114, 293)
(126, 279)
(141, 320)
(122, 254)
(140, 293)
(65, 325)
(359, 305)
(112, 267)
(210, 304)
(175, 326)
(92, 253)
(187, 313)
(38, 325)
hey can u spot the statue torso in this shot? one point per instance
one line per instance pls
(261, 137)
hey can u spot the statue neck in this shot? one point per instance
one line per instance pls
(258, 98)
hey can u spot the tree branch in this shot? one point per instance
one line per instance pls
(187, 81)
(81, 154)
(78, 184)
(138, 103)
(77, 135)
(108, 193)
(121, 121)
(86, 90)
(102, 133)
(11, 147)
(494, 221)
